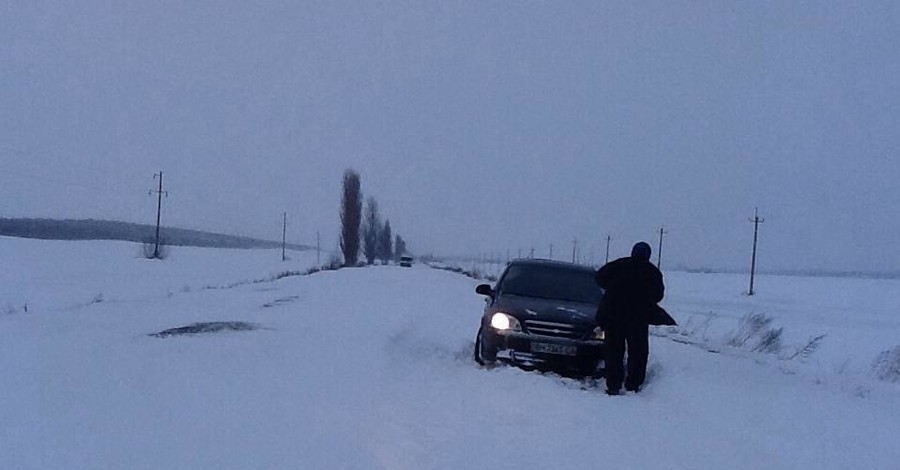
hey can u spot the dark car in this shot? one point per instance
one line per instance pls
(541, 316)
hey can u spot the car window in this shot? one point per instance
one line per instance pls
(550, 282)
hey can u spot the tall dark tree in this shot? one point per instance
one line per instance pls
(371, 229)
(351, 214)
(399, 247)
(385, 243)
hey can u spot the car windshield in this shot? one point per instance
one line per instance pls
(551, 282)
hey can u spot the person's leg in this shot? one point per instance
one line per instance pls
(615, 357)
(638, 351)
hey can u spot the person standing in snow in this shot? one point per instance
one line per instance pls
(633, 288)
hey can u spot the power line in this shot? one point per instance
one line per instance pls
(16, 172)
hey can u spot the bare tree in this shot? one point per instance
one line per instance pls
(371, 230)
(351, 213)
(385, 243)
(399, 247)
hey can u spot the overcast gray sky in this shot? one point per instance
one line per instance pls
(478, 126)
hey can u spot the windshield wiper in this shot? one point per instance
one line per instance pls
(532, 296)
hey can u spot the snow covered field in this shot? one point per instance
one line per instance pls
(371, 368)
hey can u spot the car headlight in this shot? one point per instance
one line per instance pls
(503, 322)
(599, 334)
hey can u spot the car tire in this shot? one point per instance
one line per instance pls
(480, 357)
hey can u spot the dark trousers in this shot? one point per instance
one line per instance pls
(635, 339)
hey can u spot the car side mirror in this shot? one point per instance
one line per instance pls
(484, 289)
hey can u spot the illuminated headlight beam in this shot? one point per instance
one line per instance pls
(503, 322)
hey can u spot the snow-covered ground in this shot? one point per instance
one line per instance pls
(67, 275)
(371, 368)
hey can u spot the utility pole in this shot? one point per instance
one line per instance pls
(662, 231)
(283, 235)
(532, 253)
(159, 194)
(574, 249)
(520, 253)
(551, 251)
(318, 251)
(756, 221)
(608, 239)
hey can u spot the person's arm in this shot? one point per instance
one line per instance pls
(658, 289)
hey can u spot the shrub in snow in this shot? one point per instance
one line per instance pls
(750, 326)
(334, 263)
(206, 327)
(696, 328)
(281, 275)
(475, 273)
(887, 365)
(803, 352)
(758, 327)
(769, 341)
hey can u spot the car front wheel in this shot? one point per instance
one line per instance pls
(484, 355)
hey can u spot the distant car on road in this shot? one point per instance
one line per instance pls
(406, 261)
(541, 315)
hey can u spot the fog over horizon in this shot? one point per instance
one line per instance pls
(479, 127)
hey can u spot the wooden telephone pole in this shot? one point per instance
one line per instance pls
(159, 193)
(283, 235)
(756, 221)
(608, 239)
(662, 231)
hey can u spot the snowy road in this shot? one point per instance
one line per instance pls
(371, 368)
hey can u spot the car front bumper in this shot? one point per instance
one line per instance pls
(530, 351)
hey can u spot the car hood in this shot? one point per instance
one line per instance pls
(561, 311)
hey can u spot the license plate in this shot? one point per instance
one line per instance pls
(553, 348)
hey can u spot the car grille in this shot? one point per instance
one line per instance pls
(554, 329)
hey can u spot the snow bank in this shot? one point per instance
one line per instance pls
(371, 369)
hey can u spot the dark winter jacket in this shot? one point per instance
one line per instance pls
(633, 288)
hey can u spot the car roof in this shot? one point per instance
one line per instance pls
(549, 263)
